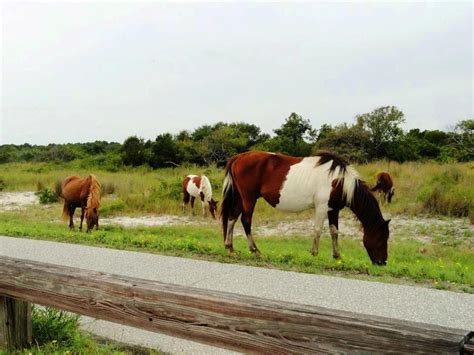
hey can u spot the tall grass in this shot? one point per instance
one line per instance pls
(420, 187)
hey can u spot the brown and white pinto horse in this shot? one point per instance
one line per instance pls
(83, 193)
(323, 182)
(199, 187)
(384, 186)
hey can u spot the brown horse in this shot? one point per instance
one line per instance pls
(324, 182)
(199, 187)
(384, 186)
(83, 193)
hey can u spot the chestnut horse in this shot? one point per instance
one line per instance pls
(384, 186)
(199, 187)
(83, 193)
(324, 182)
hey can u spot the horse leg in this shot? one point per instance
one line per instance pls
(71, 214)
(82, 217)
(319, 215)
(247, 213)
(204, 211)
(333, 217)
(234, 216)
(186, 198)
(192, 204)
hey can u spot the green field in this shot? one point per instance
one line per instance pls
(431, 240)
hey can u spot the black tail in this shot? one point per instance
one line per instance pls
(230, 196)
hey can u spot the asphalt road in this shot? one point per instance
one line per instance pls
(412, 303)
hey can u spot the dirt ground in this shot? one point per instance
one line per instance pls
(423, 229)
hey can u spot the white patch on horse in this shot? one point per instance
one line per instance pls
(303, 183)
(191, 188)
(307, 185)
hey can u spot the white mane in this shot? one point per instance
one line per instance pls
(206, 188)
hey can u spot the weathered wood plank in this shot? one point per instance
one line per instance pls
(218, 318)
(15, 323)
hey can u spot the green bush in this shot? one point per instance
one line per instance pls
(50, 324)
(46, 196)
(446, 194)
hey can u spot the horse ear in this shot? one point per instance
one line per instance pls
(387, 221)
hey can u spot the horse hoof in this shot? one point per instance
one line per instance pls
(337, 256)
(314, 253)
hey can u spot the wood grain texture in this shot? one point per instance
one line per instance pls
(15, 323)
(221, 319)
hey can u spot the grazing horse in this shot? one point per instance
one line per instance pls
(83, 193)
(384, 186)
(199, 187)
(324, 182)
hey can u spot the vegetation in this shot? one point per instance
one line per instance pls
(57, 332)
(420, 187)
(446, 262)
(374, 135)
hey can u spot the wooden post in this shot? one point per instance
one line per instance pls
(15, 323)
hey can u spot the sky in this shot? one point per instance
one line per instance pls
(85, 71)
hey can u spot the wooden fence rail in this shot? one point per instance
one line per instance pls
(221, 319)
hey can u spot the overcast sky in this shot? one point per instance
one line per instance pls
(78, 72)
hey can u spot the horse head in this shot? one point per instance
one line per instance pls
(375, 242)
(92, 218)
(213, 207)
(391, 192)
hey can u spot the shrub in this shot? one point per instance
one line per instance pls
(46, 196)
(50, 324)
(2, 184)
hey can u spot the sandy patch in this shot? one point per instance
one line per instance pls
(10, 201)
(152, 221)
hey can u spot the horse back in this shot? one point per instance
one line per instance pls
(261, 174)
(75, 189)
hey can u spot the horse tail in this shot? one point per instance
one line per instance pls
(65, 214)
(230, 195)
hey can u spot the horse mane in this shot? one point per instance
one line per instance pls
(365, 205)
(93, 199)
(206, 187)
(341, 171)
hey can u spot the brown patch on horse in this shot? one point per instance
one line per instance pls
(262, 174)
(196, 181)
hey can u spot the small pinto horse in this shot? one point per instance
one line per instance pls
(83, 193)
(324, 182)
(199, 187)
(384, 186)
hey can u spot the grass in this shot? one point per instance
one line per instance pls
(440, 190)
(437, 264)
(57, 332)
(420, 188)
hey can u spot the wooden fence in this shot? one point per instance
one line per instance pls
(226, 320)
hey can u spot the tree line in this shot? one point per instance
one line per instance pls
(372, 136)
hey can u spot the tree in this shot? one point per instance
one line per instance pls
(134, 151)
(349, 141)
(296, 136)
(164, 151)
(382, 124)
(462, 140)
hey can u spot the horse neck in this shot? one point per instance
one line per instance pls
(365, 207)
(206, 188)
(93, 199)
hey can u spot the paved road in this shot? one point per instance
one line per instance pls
(438, 307)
